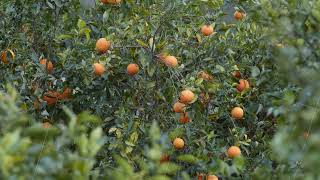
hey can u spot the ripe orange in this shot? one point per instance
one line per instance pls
(237, 113)
(243, 85)
(164, 158)
(49, 65)
(102, 45)
(98, 69)
(186, 96)
(111, 1)
(132, 69)
(178, 143)
(4, 56)
(46, 125)
(178, 107)
(207, 30)
(236, 74)
(238, 15)
(161, 56)
(233, 152)
(205, 76)
(212, 177)
(171, 61)
(184, 118)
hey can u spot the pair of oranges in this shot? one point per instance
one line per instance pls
(102, 46)
(52, 97)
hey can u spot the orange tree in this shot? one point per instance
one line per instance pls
(212, 56)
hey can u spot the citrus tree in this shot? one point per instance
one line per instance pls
(157, 89)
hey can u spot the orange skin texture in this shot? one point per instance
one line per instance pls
(98, 69)
(212, 177)
(186, 96)
(237, 113)
(132, 69)
(178, 107)
(200, 176)
(207, 30)
(243, 85)
(51, 97)
(102, 45)
(171, 61)
(49, 66)
(236, 74)
(238, 15)
(164, 158)
(178, 143)
(111, 1)
(184, 118)
(46, 125)
(233, 151)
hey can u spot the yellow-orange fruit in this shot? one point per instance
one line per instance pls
(238, 15)
(162, 56)
(178, 107)
(178, 143)
(164, 158)
(49, 65)
(111, 1)
(243, 85)
(207, 30)
(184, 118)
(186, 96)
(171, 61)
(212, 177)
(98, 69)
(132, 69)
(237, 113)
(233, 152)
(102, 45)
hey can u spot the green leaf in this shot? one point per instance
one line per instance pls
(168, 168)
(188, 158)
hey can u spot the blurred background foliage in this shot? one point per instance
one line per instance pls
(118, 127)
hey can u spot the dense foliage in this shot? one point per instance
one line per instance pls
(69, 110)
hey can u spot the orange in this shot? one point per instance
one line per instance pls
(98, 69)
(49, 65)
(212, 177)
(46, 125)
(184, 118)
(164, 158)
(111, 1)
(162, 56)
(171, 61)
(186, 96)
(236, 74)
(205, 76)
(178, 143)
(132, 69)
(178, 107)
(237, 113)
(233, 152)
(238, 15)
(4, 55)
(207, 30)
(243, 85)
(102, 45)
(51, 97)
(200, 176)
